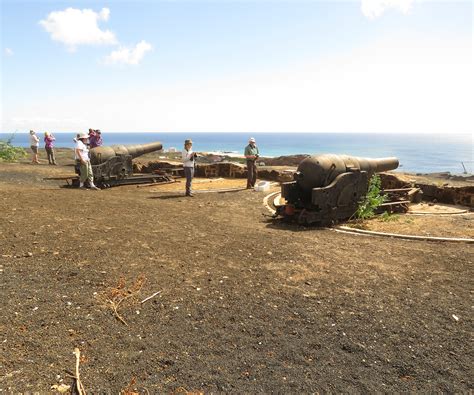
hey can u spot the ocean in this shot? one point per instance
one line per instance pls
(420, 153)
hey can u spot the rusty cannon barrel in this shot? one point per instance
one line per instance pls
(101, 155)
(320, 170)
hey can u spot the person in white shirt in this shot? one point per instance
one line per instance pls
(188, 165)
(81, 153)
(34, 144)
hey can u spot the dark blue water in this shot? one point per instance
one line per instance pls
(417, 153)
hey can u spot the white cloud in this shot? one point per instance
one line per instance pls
(74, 27)
(8, 52)
(375, 8)
(128, 55)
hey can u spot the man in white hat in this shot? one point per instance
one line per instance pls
(81, 153)
(188, 165)
(251, 154)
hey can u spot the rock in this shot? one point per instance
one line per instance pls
(61, 388)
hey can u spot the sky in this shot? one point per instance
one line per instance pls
(368, 66)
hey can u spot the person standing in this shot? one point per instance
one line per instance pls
(188, 164)
(251, 154)
(77, 161)
(82, 154)
(34, 144)
(98, 139)
(95, 138)
(49, 147)
(92, 136)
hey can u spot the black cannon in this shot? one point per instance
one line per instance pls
(112, 165)
(328, 188)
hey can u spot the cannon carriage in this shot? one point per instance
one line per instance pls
(113, 166)
(328, 188)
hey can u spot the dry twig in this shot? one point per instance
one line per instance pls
(79, 386)
(115, 306)
(119, 295)
(129, 390)
(149, 297)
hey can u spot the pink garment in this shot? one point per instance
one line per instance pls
(95, 140)
(48, 141)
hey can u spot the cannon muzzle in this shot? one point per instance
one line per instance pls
(100, 155)
(319, 171)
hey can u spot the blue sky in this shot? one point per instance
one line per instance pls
(399, 66)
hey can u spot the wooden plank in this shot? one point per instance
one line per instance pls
(156, 184)
(62, 178)
(394, 203)
(397, 190)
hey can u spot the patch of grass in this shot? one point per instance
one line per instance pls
(389, 217)
(357, 224)
(9, 153)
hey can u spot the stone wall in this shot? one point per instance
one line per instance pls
(463, 195)
(221, 169)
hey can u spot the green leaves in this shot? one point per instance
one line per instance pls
(372, 199)
(9, 153)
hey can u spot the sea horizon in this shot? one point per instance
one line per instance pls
(420, 152)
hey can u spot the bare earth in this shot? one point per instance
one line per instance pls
(246, 305)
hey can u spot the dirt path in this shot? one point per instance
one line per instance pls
(246, 304)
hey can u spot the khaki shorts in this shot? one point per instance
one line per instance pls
(34, 148)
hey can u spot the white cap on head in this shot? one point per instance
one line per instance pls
(251, 140)
(83, 136)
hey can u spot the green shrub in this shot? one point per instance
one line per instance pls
(9, 153)
(372, 199)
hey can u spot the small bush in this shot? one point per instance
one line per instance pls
(372, 199)
(9, 153)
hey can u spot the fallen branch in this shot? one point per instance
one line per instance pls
(129, 390)
(149, 297)
(155, 184)
(79, 386)
(115, 307)
(115, 302)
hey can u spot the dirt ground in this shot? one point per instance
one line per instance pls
(455, 226)
(425, 219)
(200, 184)
(246, 305)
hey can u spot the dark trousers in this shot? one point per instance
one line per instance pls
(189, 174)
(50, 153)
(251, 173)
